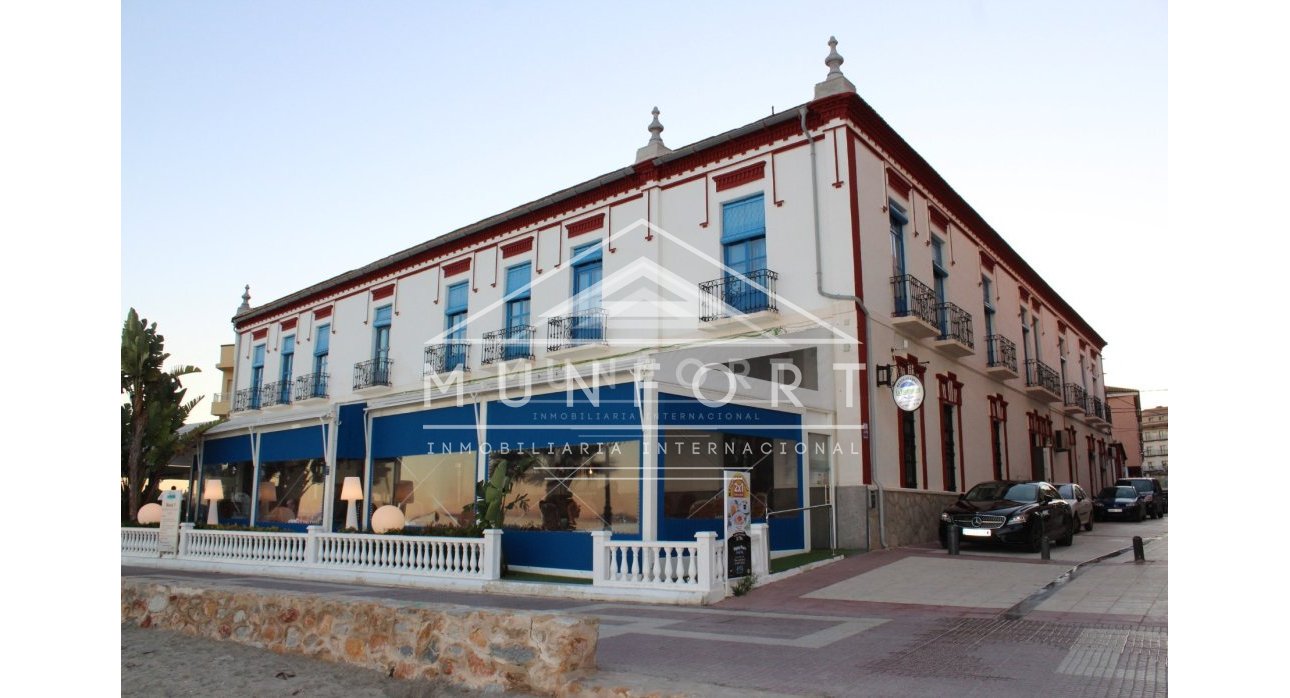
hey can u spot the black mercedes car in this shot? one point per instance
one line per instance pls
(1120, 502)
(1012, 512)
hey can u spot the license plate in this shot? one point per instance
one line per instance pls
(979, 532)
(1114, 511)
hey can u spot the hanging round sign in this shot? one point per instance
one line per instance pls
(907, 391)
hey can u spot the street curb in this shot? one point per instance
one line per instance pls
(1028, 604)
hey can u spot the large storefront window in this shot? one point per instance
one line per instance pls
(579, 487)
(291, 492)
(431, 490)
(235, 507)
(694, 461)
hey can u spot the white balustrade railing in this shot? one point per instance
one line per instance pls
(428, 556)
(699, 565)
(425, 555)
(141, 542)
(243, 546)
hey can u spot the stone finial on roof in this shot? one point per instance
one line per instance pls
(246, 300)
(835, 82)
(655, 146)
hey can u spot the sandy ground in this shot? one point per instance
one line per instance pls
(163, 663)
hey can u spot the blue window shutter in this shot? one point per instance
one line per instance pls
(257, 358)
(324, 340)
(743, 219)
(586, 254)
(289, 345)
(517, 281)
(383, 315)
(457, 298)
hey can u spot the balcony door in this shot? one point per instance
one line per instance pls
(455, 327)
(584, 326)
(743, 242)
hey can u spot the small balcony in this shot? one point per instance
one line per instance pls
(373, 373)
(1075, 399)
(1097, 412)
(509, 344)
(444, 358)
(1000, 357)
(955, 338)
(738, 295)
(246, 399)
(221, 404)
(578, 330)
(311, 387)
(276, 394)
(1042, 382)
(915, 311)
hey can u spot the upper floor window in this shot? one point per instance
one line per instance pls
(517, 311)
(257, 375)
(454, 324)
(586, 324)
(381, 332)
(987, 302)
(284, 371)
(743, 242)
(322, 346)
(1026, 346)
(898, 219)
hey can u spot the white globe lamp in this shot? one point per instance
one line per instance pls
(387, 518)
(149, 514)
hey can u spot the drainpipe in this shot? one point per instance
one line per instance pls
(819, 288)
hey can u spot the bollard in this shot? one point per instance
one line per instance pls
(953, 534)
(1043, 548)
(1139, 555)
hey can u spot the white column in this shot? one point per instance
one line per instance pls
(759, 533)
(492, 553)
(707, 540)
(599, 555)
(647, 390)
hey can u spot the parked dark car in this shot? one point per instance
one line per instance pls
(1012, 512)
(1156, 497)
(1119, 502)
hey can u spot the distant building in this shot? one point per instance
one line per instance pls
(224, 399)
(1125, 407)
(1155, 442)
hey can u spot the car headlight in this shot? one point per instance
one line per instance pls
(946, 517)
(1019, 519)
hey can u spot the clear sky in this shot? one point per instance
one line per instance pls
(280, 143)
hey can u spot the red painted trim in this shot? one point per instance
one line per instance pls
(774, 188)
(987, 262)
(517, 247)
(938, 219)
(290, 324)
(1061, 327)
(1025, 294)
(383, 292)
(900, 185)
(586, 225)
(680, 182)
(260, 334)
(456, 267)
(323, 312)
(741, 176)
(862, 336)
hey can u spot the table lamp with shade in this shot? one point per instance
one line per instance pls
(213, 493)
(351, 492)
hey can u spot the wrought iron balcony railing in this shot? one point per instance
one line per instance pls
(1076, 396)
(576, 329)
(372, 372)
(447, 357)
(508, 344)
(278, 393)
(1039, 374)
(738, 294)
(955, 324)
(1099, 409)
(1000, 352)
(311, 386)
(246, 399)
(913, 298)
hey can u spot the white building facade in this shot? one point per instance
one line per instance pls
(741, 303)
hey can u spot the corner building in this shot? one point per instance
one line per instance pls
(813, 248)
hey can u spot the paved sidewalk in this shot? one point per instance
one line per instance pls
(907, 622)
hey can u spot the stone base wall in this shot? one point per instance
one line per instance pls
(474, 648)
(912, 516)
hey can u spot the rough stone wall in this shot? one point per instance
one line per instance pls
(912, 516)
(475, 648)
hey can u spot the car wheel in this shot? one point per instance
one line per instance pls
(1070, 533)
(1089, 526)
